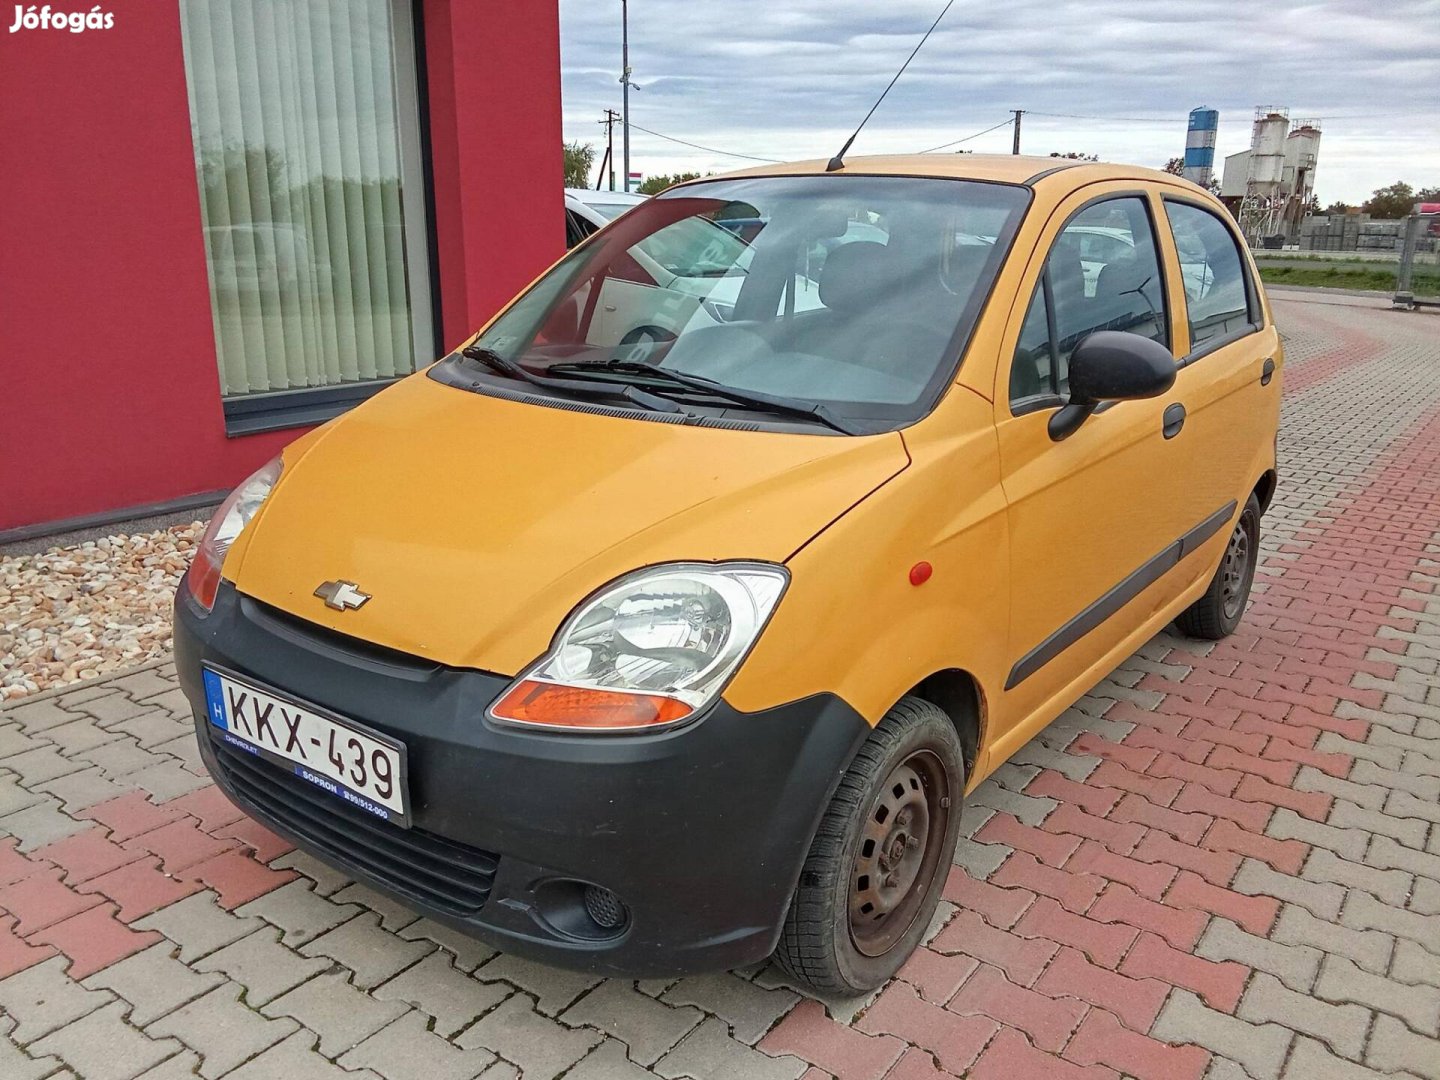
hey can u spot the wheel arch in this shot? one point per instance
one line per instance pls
(960, 696)
(1264, 489)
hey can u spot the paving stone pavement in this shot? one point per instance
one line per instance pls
(1224, 862)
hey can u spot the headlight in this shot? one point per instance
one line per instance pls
(648, 650)
(232, 515)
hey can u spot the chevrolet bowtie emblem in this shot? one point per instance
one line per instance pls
(342, 595)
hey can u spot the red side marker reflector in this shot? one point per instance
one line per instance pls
(920, 573)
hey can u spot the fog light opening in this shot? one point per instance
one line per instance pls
(605, 908)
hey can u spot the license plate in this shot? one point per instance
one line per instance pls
(362, 767)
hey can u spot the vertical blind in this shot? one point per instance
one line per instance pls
(317, 266)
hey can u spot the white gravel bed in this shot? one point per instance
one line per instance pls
(72, 613)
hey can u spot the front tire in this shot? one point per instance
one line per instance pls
(880, 857)
(1216, 614)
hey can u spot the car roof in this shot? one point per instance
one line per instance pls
(600, 195)
(997, 168)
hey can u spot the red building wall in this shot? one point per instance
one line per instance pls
(109, 393)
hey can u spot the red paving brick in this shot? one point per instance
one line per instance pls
(1001, 907)
(15, 865)
(40, 900)
(1020, 959)
(180, 844)
(129, 815)
(264, 843)
(1012, 1057)
(956, 1041)
(1103, 1040)
(88, 854)
(1104, 943)
(140, 888)
(17, 954)
(1047, 1021)
(209, 805)
(844, 1052)
(237, 877)
(935, 975)
(95, 939)
(1135, 1001)
(1220, 983)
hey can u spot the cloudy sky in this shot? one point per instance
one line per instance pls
(791, 78)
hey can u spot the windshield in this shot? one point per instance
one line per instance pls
(855, 293)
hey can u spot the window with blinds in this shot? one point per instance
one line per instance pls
(307, 153)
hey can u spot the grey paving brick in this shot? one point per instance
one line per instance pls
(1341, 1027)
(1367, 772)
(450, 997)
(107, 709)
(182, 1066)
(153, 982)
(1342, 981)
(370, 952)
(1425, 897)
(1405, 805)
(1030, 809)
(1310, 779)
(38, 716)
(517, 1032)
(264, 967)
(650, 1029)
(85, 788)
(326, 878)
(198, 925)
(42, 999)
(1075, 767)
(1409, 831)
(15, 1064)
(709, 1053)
(1364, 912)
(608, 1062)
(393, 914)
(1348, 843)
(1386, 853)
(1322, 899)
(69, 739)
(14, 740)
(341, 1015)
(41, 764)
(143, 684)
(1294, 965)
(295, 1058)
(1392, 886)
(1414, 965)
(102, 1046)
(13, 797)
(117, 758)
(973, 820)
(221, 1029)
(406, 1049)
(465, 952)
(40, 823)
(1311, 1060)
(750, 1010)
(979, 860)
(167, 779)
(1414, 744)
(186, 750)
(1013, 776)
(1387, 757)
(554, 989)
(1394, 1047)
(300, 913)
(1369, 948)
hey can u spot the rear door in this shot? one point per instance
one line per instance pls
(1231, 399)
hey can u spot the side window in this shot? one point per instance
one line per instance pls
(1103, 273)
(1213, 272)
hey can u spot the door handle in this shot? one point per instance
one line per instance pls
(1174, 420)
(1267, 371)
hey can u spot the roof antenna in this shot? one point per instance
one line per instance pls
(838, 161)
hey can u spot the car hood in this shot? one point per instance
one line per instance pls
(476, 524)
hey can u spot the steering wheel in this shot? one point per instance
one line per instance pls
(641, 342)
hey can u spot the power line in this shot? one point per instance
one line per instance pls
(1003, 123)
(707, 149)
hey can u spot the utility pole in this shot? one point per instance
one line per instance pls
(625, 80)
(1015, 145)
(611, 117)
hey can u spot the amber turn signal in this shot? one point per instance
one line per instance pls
(553, 705)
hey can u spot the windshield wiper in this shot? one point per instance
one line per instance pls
(505, 366)
(757, 398)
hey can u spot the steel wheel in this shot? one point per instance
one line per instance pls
(1235, 572)
(899, 848)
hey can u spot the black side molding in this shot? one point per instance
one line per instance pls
(1151, 571)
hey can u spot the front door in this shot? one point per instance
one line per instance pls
(1096, 519)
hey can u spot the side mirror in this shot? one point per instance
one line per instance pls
(1110, 365)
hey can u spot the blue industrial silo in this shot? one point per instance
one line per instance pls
(1200, 145)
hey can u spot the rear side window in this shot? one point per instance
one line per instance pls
(1103, 273)
(1216, 297)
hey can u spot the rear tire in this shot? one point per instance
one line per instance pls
(880, 857)
(1216, 614)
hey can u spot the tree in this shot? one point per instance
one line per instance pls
(1338, 208)
(1394, 201)
(1428, 194)
(653, 185)
(1074, 156)
(1175, 166)
(579, 157)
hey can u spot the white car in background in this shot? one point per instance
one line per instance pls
(1101, 245)
(587, 209)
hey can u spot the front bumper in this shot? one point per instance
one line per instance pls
(701, 832)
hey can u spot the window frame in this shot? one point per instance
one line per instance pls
(276, 410)
(1255, 309)
(1039, 402)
